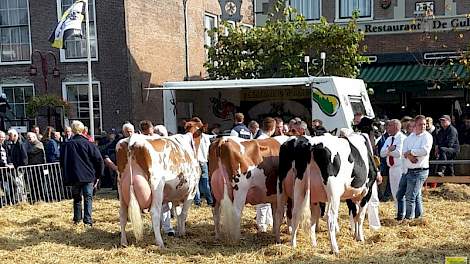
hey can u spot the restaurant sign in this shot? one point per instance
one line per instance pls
(414, 25)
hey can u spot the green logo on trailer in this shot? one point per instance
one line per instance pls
(328, 103)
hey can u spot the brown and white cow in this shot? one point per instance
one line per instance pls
(242, 172)
(154, 170)
(325, 169)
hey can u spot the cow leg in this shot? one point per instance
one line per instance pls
(182, 217)
(332, 219)
(360, 223)
(299, 196)
(122, 218)
(239, 198)
(216, 215)
(156, 210)
(314, 220)
(334, 190)
(279, 215)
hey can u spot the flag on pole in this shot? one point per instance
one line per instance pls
(69, 25)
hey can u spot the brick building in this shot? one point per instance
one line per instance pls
(411, 45)
(135, 44)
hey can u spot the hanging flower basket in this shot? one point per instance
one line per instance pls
(39, 102)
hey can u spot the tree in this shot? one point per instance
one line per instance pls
(278, 48)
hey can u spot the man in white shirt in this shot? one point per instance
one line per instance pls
(202, 158)
(392, 151)
(416, 150)
(264, 214)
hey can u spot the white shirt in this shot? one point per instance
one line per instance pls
(420, 146)
(398, 140)
(263, 135)
(203, 150)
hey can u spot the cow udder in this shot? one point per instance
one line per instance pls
(142, 189)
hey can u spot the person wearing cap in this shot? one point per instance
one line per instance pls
(447, 145)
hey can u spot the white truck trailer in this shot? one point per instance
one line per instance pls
(334, 100)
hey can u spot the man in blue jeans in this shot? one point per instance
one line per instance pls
(82, 164)
(203, 141)
(416, 149)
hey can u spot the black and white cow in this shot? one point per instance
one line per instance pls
(325, 169)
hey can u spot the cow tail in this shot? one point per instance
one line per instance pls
(134, 210)
(135, 216)
(305, 213)
(229, 226)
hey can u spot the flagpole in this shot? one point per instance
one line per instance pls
(91, 128)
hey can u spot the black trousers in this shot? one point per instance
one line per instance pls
(447, 154)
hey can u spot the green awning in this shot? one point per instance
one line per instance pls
(416, 72)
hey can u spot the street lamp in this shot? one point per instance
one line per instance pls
(44, 65)
(45, 72)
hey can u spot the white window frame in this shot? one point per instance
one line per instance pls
(30, 45)
(2, 85)
(230, 22)
(339, 19)
(64, 97)
(62, 51)
(245, 26)
(320, 11)
(216, 24)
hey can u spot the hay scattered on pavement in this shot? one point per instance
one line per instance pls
(43, 233)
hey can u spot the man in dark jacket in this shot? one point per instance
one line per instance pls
(16, 149)
(82, 164)
(239, 129)
(52, 148)
(447, 145)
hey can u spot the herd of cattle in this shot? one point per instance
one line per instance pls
(293, 173)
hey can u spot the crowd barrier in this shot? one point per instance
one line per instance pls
(32, 184)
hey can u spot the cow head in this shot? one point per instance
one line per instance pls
(195, 127)
(323, 157)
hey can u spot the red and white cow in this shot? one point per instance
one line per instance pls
(242, 172)
(154, 170)
(325, 169)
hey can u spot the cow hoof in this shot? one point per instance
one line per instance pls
(160, 246)
(124, 243)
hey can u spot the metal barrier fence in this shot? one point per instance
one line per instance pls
(32, 184)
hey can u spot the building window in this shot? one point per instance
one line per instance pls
(246, 27)
(347, 7)
(310, 9)
(14, 31)
(18, 96)
(76, 47)
(76, 94)
(210, 22)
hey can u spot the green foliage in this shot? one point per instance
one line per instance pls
(278, 48)
(41, 101)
